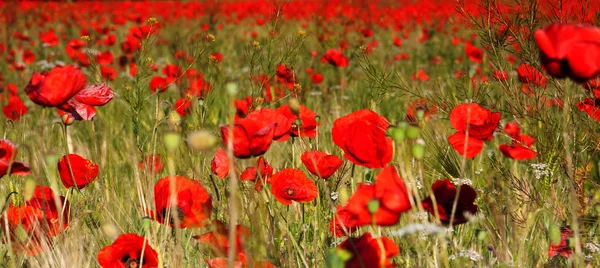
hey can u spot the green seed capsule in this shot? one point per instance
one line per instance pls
(172, 141)
(413, 132)
(418, 151)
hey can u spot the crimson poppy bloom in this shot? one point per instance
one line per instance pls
(43, 199)
(283, 123)
(591, 106)
(321, 164)
(420, 75)
(243, 107)
(127, 251)
(308, 121)
(286, 75)
(291, 184)
(220, 163)
(15, 108)
(474, 125)
(362, 137)
(343, 222)
(183, 106)
(95, 95)
(252, 136)
(192, 207)
(49, 38)
(8, 153)
(76, 171)
(218, 238)
(570, 50)
(474, 53)
(316, 78)
(530, 75)
(445, 193)
(31, 220)
(520, 148)
(158, 84)
(335, 58)
(260, 174)
(152, 163)
(562, 247)
(55, 87)
(368, 251)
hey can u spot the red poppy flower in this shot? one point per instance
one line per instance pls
(55, 87)
(8, 153)
(420, 105)
(49, 38)
(55, 209)
(192, 207)
(172, 72)
(159, 84)
(343, 223)
(243, 107)
(76, 171)
(151, 163)
(15, 108)
(127, 251)
(29, 219)
(321, 164)
(217, 57)
(362, 137)
(420, 75)
(75, 110)
(260, 174)
(182, 106)
(591, 107)
(291, 184)
(445, 193)
(570, 50)
(500, 75)
(474, 53)
(316, 78)
(475, 124)
(530, 75)
(308, 121)
(286, 76)
(95, 95)
(108, 72)
(252, 136)
(220, 163)
(105, 58)
(335, 58)
(520, 148)
(368, 251)
(218, 238)
(282, 122)
(562, 247)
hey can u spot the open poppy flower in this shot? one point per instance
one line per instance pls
(260, 174)
(420, 75)
(192, 207)
(520, 148)
(218, 238)
(55, 87)
(152, 163)
(308, 122)
(369, 252)
(291, 184)
(335, 58)
(81, 106)
(530, 75)
(362, 137)
(76, 171)
(30, 220)
(129, 250)
(159, 84)
(8, 153)
(474, 53)
(282, 122)
(285, 75)
(445, 193)
(183, 105)
(220, 163)
(591, 107)
(562, 247)
(321, 164)
(243, 107)
(15, 108)
(475, 125)
(43, 199)
(570, 50)
(252, 136)
(343, 222)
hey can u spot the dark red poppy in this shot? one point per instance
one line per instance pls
(321, 164)
(252, 136)
(55, 87)
(291, 184)
(308, 121)
(218, 238)
(152, 163)
(29, 219)
(570, 50)
(76, 171)
(129, 250)
(423, 105)
(8, 153)
(192, 207)
(562, 247)
(220, 163)
(474, 125)
(369, 252)
(445, 193)
(54, 208)
(335, 58)
(15, 108)
(362, 137)
(474, 53)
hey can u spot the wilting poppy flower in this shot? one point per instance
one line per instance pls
(55, 209)
(220, 163)
(192, 207)
(369, 252)
(391, 194)
(291, 184)
(252, 136)
(475, 125)
(362, 136)
(474, 53)
(570, 50)
(55, 87)
(95, 95)
(30, 220)
(562, 247)
(445, 193)
(152, 163)
(76, 171)
(308, 120)
(321, 164)
(8, 153)
(218, 238)
(77, 111)
(520, 148)
(420, 105)
(15, 108)
(335, 58)
(127, 251)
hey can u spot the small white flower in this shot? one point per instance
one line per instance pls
(334, 195)
(470, 254)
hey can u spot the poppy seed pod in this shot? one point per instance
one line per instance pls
(201, 140)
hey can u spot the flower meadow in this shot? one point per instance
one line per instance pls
(289, 133)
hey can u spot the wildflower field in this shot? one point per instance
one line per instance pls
(290, 133)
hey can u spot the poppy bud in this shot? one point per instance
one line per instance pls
(373, 206)
(172, 141)
(201, 140)
(398, 134)
(110, 231)
(174, 118)
(67, 119)
(418, 151)
(413, 132)
(231, 89)
(597, 208)
(554, 233)
(29, 189)
(317, 119)
(343, 196)
(481, 234)
(295, 106)
(21, 234)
